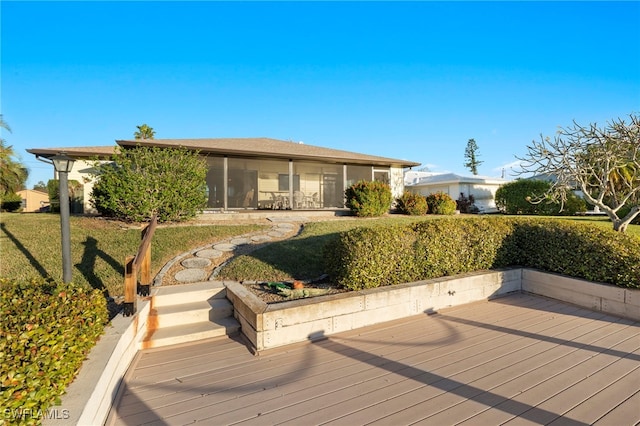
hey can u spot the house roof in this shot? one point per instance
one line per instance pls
(246, 147)
(447, 178)
(78, 151)
(271, 148)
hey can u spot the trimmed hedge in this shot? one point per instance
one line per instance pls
(373, 257)
(46, 331)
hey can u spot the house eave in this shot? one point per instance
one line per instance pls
(270, 148)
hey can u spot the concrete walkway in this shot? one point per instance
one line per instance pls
(203, 263)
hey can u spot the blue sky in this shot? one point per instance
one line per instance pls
(409, 80)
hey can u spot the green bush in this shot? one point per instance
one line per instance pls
(625, 211)
(579, 250)
(75, 196)
(143, 181)
(573, 205)
(46, 331)
(369, 198)
(372, 257)
(11, 203)
(412, 204)
(515, 197)
(441, 203)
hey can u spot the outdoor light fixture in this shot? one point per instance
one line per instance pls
(63, 165)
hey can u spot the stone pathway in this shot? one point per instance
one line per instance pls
(203, 263)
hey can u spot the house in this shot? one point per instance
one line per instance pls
(258, 173)
(483, 188)
(33, 200)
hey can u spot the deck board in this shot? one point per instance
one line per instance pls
(520, 359)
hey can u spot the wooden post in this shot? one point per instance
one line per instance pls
(145, 272)
(130, 284)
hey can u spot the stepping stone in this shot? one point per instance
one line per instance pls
(240, 241)
(196, 262)
(225, 247)
(276, 234)
(259, 238)
(285, 225)
(191, 275)
(209, 253)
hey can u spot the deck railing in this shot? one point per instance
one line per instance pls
(141, 262)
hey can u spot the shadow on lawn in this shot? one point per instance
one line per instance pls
(32, 260)
(88, 263)
(300, 257)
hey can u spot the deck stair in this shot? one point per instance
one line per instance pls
(189, 312)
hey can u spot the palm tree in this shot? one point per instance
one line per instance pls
(12, 173)
(144, 132)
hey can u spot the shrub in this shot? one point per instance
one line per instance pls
(11, 203)
(467, 204)
(369, 198)
(372, 257)
(412, 204)
(441, 203)
(573, 205)
(514, 197)
(143, 181)
(579, 250)
(46, 331)
(368, 257)
(625, 211)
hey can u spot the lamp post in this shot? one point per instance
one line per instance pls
(63, 165)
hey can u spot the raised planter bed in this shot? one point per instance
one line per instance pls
(271, 325)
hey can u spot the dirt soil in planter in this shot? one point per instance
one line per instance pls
(268, 295)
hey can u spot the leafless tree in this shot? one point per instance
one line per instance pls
(603, 163)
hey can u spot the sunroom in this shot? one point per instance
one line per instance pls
(258, 173)
(262, 173)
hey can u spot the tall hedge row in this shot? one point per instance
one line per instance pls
(372, 257)
(46, 331)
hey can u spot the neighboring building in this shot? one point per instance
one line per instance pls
(33, 201)
(260, 173)
(82, 168)
(482, 188)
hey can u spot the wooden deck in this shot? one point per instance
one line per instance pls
(516, 360)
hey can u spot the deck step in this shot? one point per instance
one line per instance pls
(185, 333)
(188, 313)
(187, 293)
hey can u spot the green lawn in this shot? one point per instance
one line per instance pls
(30, 247)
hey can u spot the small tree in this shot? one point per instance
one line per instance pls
(144, 132)
(471, 155)
(604, 163)
(143, 181)
(40, 186)
(13, 174)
